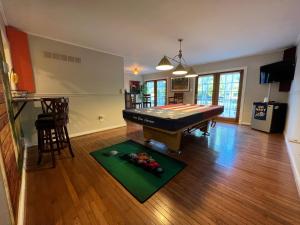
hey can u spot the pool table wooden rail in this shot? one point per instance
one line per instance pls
(169, 131)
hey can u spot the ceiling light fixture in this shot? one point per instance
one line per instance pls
(180, 69)
(136, 71)
(191, 73)
(164, 64)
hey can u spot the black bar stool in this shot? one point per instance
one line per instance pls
(45, 127)
(62, 120)
(51, 127)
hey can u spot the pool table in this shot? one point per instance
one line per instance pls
(166, 124)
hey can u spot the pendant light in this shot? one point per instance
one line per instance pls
(191, 73)
(164, 64)
(180, 69)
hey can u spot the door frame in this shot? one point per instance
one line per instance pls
(216, 84)
(196, 86)
(155, 89)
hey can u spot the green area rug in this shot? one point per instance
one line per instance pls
(138, 181)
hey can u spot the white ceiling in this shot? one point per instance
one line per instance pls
(142, 31)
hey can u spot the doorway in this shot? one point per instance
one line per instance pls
(158, 91)
(222, 88)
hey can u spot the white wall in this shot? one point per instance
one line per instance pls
(94, 87)
(293, 119)
(253, 90)
(4, 210)
(292, 133)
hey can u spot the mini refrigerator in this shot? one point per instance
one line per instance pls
(269, 116)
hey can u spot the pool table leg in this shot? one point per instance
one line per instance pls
(204, 128)
(172, 140)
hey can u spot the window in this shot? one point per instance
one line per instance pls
(205, 90)
(229, 93)
(161, 92)
(150, 90)
(221, 89)
(158, 91)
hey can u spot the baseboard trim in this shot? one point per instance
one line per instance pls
(97, 130)
(29, 145)
(22, 196)
(245, 123)
(293, 164)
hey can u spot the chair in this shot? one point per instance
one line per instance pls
(51, 127)
(131, 101)
(146, 100)
(44, 127)
(134, 102)
(62, 119)
(128, 100)
(176, 99)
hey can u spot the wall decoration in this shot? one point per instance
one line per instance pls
(21, 59)
(135, 86)
(180, 84)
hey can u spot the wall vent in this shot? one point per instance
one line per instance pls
(62, 57)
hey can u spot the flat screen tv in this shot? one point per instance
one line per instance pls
(277, 72)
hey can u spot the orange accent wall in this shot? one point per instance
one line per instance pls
(19, 47)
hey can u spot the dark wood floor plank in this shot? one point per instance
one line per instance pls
(235, 176)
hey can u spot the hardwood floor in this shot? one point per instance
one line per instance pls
(234, 176)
